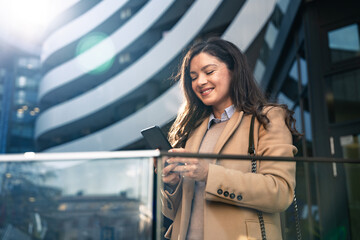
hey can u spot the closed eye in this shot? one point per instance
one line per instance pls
(193, 77)
(209, 72)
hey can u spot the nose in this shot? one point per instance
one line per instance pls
(202, 80)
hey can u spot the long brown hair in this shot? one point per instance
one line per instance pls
(244, 91)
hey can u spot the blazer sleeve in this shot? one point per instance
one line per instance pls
(271, 189)
(170, 201)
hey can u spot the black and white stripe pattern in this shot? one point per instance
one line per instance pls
(83, 111)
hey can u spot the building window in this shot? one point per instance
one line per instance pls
(125, 13)
(343, 96)
(344, 43)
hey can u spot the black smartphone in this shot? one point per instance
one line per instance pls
(155, 138)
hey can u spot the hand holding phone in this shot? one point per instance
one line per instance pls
(156, 139)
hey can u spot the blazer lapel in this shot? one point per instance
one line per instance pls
(229, 129)
(193, 143)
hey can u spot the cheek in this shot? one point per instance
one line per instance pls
(193, 86)
(229, 81)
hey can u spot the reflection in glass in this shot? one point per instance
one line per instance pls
(283, 4)
(98, 199)
(344, 43)
(283, 99)
(343, 98)
(296, 97)
(271, 35)
(351, 149)
(294, 72)
(307, 123)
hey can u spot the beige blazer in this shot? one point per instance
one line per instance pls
(270, 190)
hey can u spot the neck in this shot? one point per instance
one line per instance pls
(218, 111)
(217, 114)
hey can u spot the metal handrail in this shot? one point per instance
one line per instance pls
(69, 156)
(262, 158)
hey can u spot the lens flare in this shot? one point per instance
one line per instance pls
(95, 53)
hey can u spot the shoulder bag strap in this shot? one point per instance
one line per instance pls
(251, 151)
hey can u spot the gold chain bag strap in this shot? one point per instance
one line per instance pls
(251, 151)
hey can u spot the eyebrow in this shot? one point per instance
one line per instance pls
(206, 66)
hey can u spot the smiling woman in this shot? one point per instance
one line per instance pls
(221, 99)
(211, 82)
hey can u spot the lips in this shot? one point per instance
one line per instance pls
(206, 91)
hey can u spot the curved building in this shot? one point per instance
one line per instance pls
(107, 71)
(107, 67)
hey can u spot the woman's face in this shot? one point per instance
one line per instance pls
(211, 81)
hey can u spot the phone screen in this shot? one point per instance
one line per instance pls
(156, 139)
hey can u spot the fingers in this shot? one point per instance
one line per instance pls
(169, 176)
(188, 167)
(168, 169)
(183, 168)
(172, 179)
(183, 162)
(155, 163)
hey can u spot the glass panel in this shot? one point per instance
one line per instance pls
(88, 199)
(294, 72)
(305, 172)
(29, 63)
(113, 199)
(351, 149)
(283, 4)
(220, 204)
(283, 99)
(307, 123)
(344, 43)
(343, 99)
(271, 35)
(27, 82)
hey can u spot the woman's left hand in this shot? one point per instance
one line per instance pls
(193, 168)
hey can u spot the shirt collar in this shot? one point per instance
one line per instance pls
(226, 115)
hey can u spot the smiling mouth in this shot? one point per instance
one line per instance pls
(206, 91)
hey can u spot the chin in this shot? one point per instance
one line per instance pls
(206, 103)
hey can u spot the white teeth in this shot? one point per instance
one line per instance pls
(206, 91)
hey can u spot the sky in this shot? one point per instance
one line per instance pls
(23, 23)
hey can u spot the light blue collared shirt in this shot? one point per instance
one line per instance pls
(226, 115)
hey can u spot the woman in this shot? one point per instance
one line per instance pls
(219, 199)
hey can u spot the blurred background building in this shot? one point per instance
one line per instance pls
(88, 75)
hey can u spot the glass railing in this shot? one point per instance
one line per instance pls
(116, 195)
(99, 195)
(303, 219)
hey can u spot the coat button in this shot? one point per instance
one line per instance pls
(219, 191)
(226, 193)
(232, 195)
(239, 197)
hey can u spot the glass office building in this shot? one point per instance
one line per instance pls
(104, 72)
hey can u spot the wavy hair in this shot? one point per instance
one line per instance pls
(244, 91)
